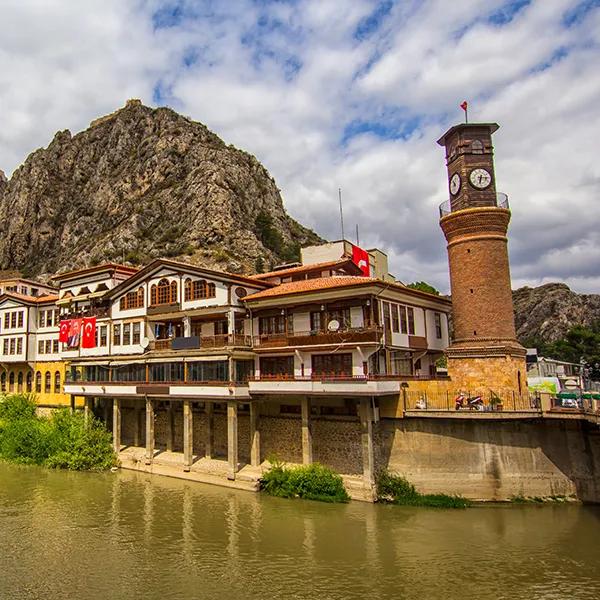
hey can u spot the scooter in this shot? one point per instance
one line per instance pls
(470, 402)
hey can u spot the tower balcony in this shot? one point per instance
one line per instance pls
(501, 202)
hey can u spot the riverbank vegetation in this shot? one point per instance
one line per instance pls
(396, 489)
(64, 440)
(311, 482)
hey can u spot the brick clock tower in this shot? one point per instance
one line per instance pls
(485, 354)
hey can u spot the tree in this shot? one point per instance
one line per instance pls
(423, 286)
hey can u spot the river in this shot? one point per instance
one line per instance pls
(128, 535)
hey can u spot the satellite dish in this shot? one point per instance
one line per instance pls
(145, 343)
(333, 325)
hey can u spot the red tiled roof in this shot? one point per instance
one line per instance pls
(305, 268)
(32, 299)
(312, 285)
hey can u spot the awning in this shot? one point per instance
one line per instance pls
(97, 294)
(205, 358)
(89, 363)
(64, 301)
(80, 298)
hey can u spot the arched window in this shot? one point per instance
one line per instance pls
(477, 147)
(133, 299)
(48, 382)
(198, 290)
(38, 382)
(29, 381)
(11, 382)
(3, 381)
(57, 382)
(20, 382)
(164, 292)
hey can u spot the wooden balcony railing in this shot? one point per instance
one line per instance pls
(341, 377)
(203, 342)
(99, 313)
(312, 338)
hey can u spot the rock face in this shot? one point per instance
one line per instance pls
(138, 184)
(548, 312)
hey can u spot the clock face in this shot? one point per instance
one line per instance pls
(480, 178)
(455, 184)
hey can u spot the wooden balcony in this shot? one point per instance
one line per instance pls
(358, 335)
(205, 342)
(159, 309)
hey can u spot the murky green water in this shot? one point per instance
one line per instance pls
(127, 535)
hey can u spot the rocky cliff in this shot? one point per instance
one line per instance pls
(138, 184)
(548, 312)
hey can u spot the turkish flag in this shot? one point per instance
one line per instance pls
(63, 334)
(464, 105)
(88, 338)
(360, 258)
(74, 333)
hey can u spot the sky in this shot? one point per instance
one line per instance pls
(349, 94)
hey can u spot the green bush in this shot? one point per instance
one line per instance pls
(63, 440)
(311, 482)
(398, 490)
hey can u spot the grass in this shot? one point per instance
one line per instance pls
(310, 482)
(62, 440)
(395, 489)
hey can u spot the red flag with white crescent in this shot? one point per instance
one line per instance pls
(88, 338)
(464, 105)
(360, 258)
(63, 332)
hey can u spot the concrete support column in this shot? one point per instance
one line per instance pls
(170, 426)
(307, 447)
(106, 407)
(187, 327)
(149, 430)
(366, 437)
(136, 426)
(87, 410)
(188, 435)
(117, 424)
(255, 434)
(210, 421)
(72, 404)
(232, 439)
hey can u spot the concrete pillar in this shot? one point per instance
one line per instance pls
(210, 421)
(255, 434)
(366, 436)
(72, 404)
(232, 439)
(136, 426)
(307, 448)
(117, 424)
(87, 410)
(149, 430)
(106, 411)
(187, 327)
(170, 426)
(188, 435)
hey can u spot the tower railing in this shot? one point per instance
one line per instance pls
(501, 202)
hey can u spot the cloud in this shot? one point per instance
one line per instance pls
(331, 94)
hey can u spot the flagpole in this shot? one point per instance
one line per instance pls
(466, 115)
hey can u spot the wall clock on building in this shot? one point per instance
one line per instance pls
(480, 178)
(455, 184)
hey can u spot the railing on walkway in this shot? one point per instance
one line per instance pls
(490, 401)
(202, 342)
(340, 377)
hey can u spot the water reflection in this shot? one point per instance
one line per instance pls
(128, 535)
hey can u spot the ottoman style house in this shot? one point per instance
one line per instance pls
(314, 361)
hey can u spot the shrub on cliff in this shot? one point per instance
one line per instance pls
(396, 489)
(63, 440)
(311, 482)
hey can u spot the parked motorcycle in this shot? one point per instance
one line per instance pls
(470, 402)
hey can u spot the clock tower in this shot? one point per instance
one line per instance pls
(484, 354)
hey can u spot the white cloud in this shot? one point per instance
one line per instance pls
(323, 108)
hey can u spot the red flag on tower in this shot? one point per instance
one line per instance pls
(63, 332)
(464, 105)
(360, 258)
(88, 338)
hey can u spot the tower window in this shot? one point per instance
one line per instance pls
(477, 147)
(471, 290)
(468, 250)
(474, 333)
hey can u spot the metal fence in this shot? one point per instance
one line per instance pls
(471, 400)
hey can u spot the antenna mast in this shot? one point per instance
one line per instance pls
(341, 212)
